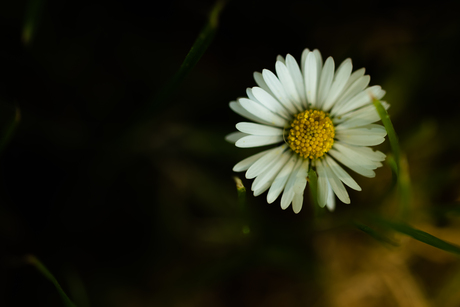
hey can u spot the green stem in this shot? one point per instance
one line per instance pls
(47, 274)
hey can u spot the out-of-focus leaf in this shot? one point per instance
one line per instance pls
(375, 234)
(47, 274)
(202, 43)
(242, 204)
(241, 192)
(9, 131)
(420, 235)
(390, 130)
(32, 18)
(313, 184)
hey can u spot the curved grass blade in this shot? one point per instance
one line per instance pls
(242, 204)
(32, 19)
(420, 236)
(375, 234)
(390, 130)
(42, 269)
(6, 137)
(200, 45)
(398, 164)
(313, 184)
(404, 188)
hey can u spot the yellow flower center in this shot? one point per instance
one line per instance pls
(311, 134)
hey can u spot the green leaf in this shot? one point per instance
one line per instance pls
(242, 204)
(376, 235)
(420, 235)
(32, 19)
(241, 192)
(10, 129)
(47, 274)
(398, 164)
(313, 184)
(390, 130)
(202, 43)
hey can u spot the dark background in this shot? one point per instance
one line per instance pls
(129, 212)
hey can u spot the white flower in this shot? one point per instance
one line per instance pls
(320, 117)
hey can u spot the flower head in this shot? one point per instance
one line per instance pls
(319, 117)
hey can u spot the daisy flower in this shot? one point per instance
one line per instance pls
(320, 117)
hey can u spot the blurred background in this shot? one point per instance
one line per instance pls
(130, 201)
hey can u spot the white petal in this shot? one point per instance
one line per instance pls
(340, 80)
(238, 109)
(278, 90)
(265, 179)
(355, 76)
(352, 90)
(270, 102)
(330, 203)
(297, 203)
(260, 165)
(288, 193)
(299, 186)
(341, 173)
(319, 68)
(334, 181)
(363, 98)
(260, 111)
(297, 77)
(323, 190)
(258, 140)
(288, 84)
(327, 75)
(303, 59)
(311, 78)
(301, 177)
(257, 129)
(246, 163)
(261, 83)
(281, 179)
(368, 135)
(366, 156)
(280, 58)
(364, 116)
(234, 136)
(319, 62)
(352, 164)
(367, 153)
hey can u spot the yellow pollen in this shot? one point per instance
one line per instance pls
(311, 134)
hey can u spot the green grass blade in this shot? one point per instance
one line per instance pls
(32, 19)
(202, 42)
(376, 235)
(420, 236)
(313, 184)
(47, 274)
(390, 130)
(241, 192)
(6, 137)
(398, 163)
(404, 189)
(242, 204)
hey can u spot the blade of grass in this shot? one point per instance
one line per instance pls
(376, 235)
(313, 184)
(404, 188)
(47, 274)
(242, 204)
(398, 164)
(32, 19)
(390, 130)
(6, 137)
(199, 47)
(420, 235)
